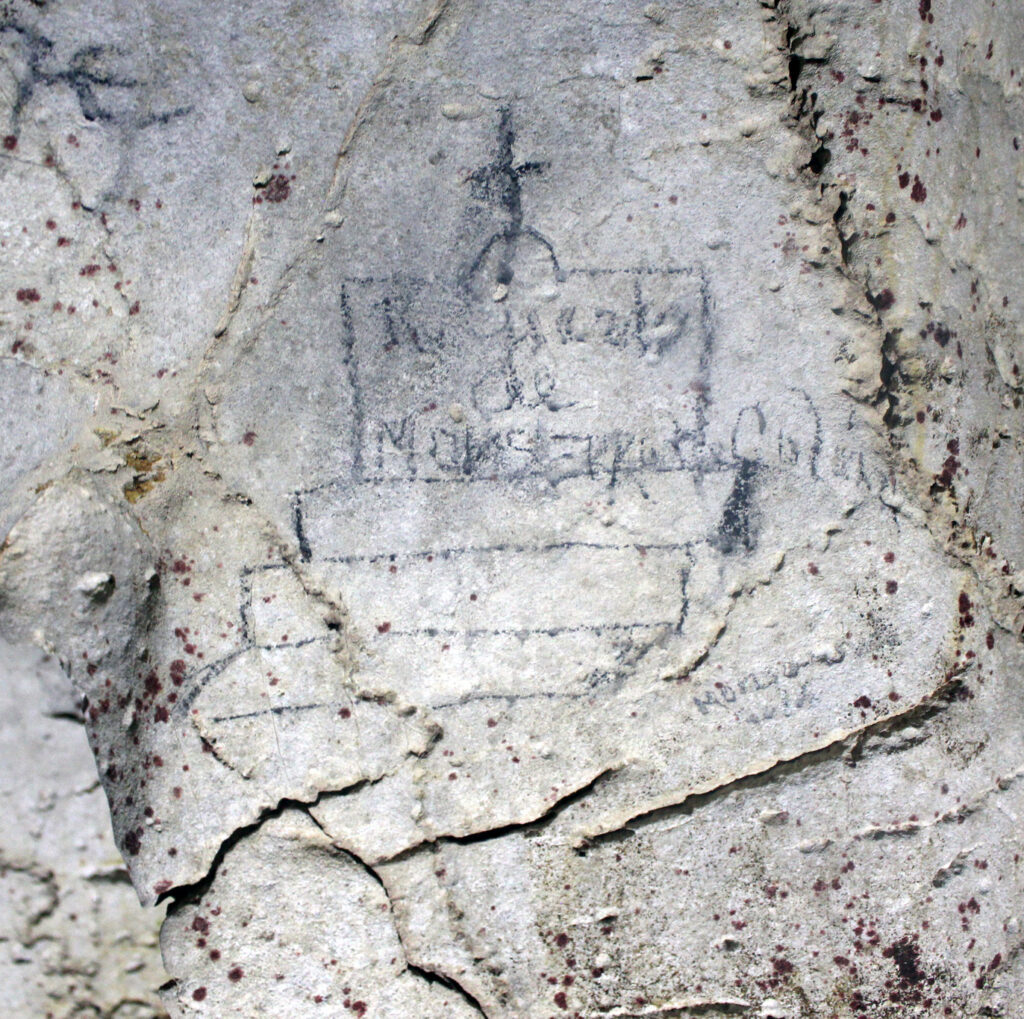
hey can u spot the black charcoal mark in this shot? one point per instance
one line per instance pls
(736, 530)
(305, 552)
(498, 185)
(358, 432)
(85, 75)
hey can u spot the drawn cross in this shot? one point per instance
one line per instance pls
(498, 184)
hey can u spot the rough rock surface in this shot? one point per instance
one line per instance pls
(530, 495)
(73, 940)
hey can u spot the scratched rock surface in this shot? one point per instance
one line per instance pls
(530, 499)
(73, 941)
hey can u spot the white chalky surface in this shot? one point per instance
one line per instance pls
(529, 495)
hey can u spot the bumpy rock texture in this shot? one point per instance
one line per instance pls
(73, 941)
(529, 495)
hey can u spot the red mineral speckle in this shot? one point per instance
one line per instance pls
(199, 994)
(277, 189)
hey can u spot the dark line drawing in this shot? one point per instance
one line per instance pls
(84, 74)
(499, 184)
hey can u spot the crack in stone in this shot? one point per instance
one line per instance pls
(849, 743)
(953, 816)
(541, 820)
(707, 1007)
(433, 976)
(195, 890)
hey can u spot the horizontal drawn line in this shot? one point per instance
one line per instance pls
(703, 466)
(549, 631)
(447, 553)
(278, 709)
(290, 709)
(198, 680)
(636, 270)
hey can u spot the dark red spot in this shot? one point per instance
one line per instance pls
(345, 713)
(812, 569)
(249, 438)
(201, 924)
(277, 189)
(990, 640)
(199, 994)
(907, 958)
(562, 940)
(885, 300)
(28, 295)
(918, 192)
(89, 270)
(891, 587)
(904, 179)
(383, 627)
(862, 702)
(236, 974)
(560, 1000)
(10, 142)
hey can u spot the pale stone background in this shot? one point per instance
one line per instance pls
(528, 496)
